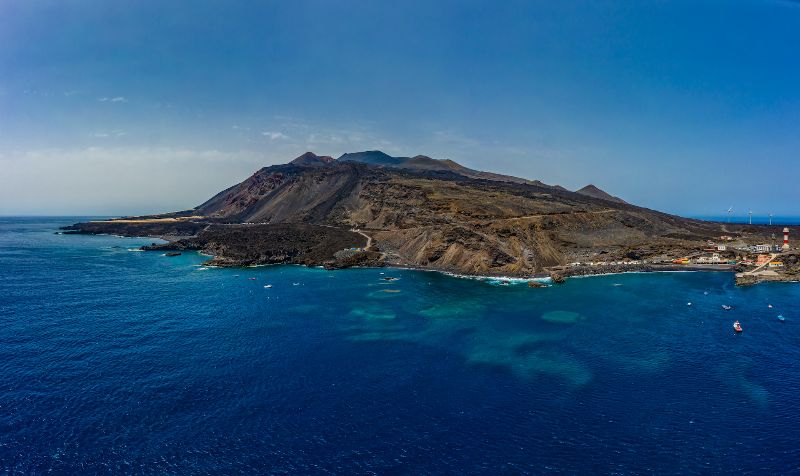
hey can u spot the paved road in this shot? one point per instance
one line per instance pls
(772, 257)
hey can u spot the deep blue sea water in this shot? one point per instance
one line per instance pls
(757, 219)
(118, 361)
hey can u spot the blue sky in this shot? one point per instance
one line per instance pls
(139, 107)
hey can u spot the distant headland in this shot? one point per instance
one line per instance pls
(373, 209)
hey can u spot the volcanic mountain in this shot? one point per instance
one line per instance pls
(312, 159)
(415, 211)
(592, 191)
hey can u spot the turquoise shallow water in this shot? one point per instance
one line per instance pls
(114, 360)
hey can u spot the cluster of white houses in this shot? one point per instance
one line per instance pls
(760, 250)
(611, 263)
(714, 255)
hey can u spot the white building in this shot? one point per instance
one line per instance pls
(713, 259)
(761, 248)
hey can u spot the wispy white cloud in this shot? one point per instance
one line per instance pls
(289, 135)
(113, 99)
(323, 138)
(36, 92)
(273, 135)
(114, 133)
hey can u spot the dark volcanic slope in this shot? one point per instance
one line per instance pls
(372, 157)
(592, 191)
(424, 163)
(312, 159)
(243, 245)
(163, 227)
(444, 220)
(436, 215)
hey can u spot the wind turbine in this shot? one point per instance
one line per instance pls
(730, 210)
(750, 214)
(770, 218)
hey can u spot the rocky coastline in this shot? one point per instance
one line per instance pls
(577, 271)
(370, 209)
(789, 271)
(231, 245)
(255, 245)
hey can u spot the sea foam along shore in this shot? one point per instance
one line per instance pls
(499, 279)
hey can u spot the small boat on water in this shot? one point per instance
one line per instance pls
(252, 279)
(726, 307)
(688, 304)
(267, 286)
(781, 318)
(769, 306)
(737, 327)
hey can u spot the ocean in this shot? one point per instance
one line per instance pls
(119, 361)
(759, 219)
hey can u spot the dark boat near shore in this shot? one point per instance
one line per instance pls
(172, 253)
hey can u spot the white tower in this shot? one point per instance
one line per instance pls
(750, 214)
